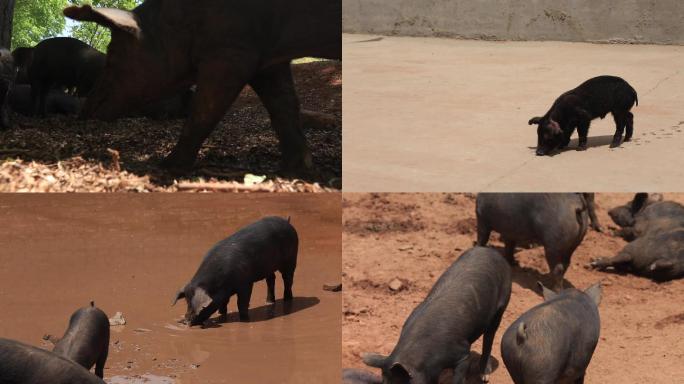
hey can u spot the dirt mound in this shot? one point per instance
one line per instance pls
(642, 321)
(242, 143)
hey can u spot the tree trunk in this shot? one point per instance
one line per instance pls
(6, 15)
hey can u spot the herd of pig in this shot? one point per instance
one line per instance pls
(56, 76)
(552, 342)
(231, 267)
(173, 58)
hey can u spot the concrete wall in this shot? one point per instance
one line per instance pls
(638, 21)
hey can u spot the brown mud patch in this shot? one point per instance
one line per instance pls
(131, 254)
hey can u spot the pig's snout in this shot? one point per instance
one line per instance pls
(541, 152)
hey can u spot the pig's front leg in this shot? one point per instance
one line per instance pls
(583, 132)
(219, 83)
(244, 295)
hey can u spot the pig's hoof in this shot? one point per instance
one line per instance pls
(270, 302)
(485, 378)
(297, 165)
(582, 148)
(615, 144)
(177, 163)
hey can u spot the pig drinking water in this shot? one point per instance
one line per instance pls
(23, 364)
(164, 46)
(62, 62)
(466, 302)
(86, 340)
(234, 264)
(557, 221)
(554, 341)
(576, 108)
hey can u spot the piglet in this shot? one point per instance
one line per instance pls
(86, 340)
(576, 108)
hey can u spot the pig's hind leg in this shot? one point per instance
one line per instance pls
(276, 90)
(487, 341)
(483, 232)
(509, 252)
(288, 280)
(630, 127)
(270, 288)
(100, 363)
(621, 119)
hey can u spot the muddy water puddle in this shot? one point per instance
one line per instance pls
(131, 254)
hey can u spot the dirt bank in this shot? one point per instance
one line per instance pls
(415, 237)
(132, 253)
(243, 141)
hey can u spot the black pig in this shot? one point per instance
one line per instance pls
(63, 62)
(234, 264)
(576, 108)
(467, 301)
(22, 59)
(557, 221)
(56, 102)
(23, 364)
(554, 341)
(86, 340)
(162, 47)
(647, 216)
(659, 256)
(7, 76)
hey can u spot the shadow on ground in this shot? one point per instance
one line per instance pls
(243, 142)
(268, 311)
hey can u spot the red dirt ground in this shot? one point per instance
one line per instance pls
(415, 237)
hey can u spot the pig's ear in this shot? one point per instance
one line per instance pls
(374, 360)
(399, 371)
(114, 19)
(594, 292)
(639, 202)
(179, 295)
(534, 120)
(200, 300)
(555, 127)
(547, 293)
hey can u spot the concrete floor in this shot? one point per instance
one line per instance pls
(430, 114)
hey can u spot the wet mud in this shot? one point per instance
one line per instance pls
(130, 254)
